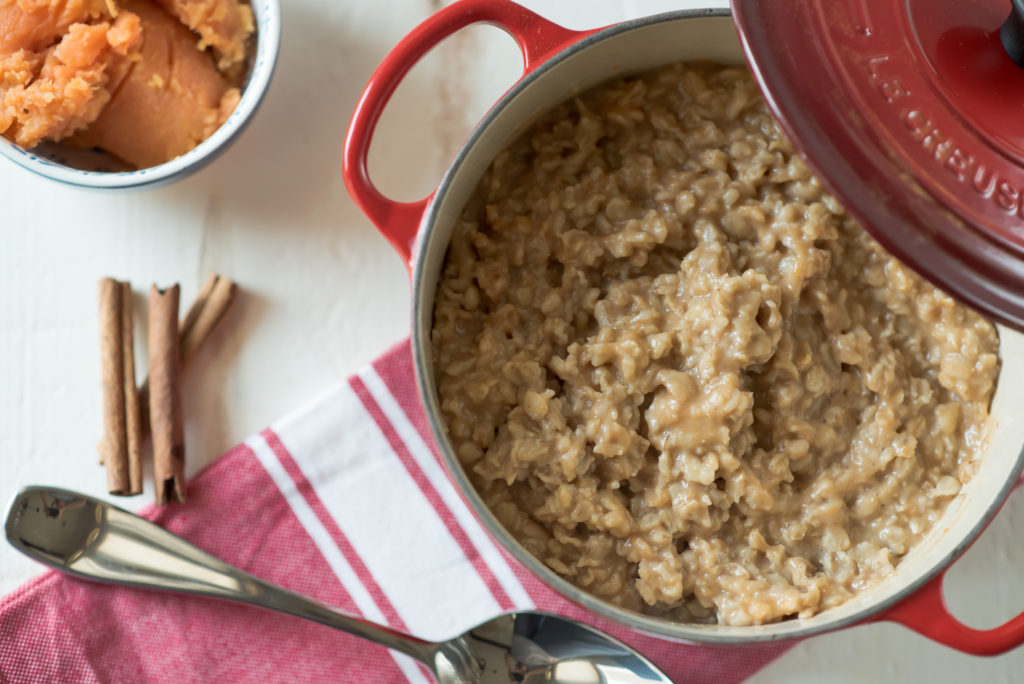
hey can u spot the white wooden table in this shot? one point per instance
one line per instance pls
(323, 293)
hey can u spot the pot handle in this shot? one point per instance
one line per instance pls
(926, 612)
(537, 38)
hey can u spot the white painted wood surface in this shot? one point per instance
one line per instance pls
(322, 292)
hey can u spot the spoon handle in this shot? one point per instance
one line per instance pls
(90, 538)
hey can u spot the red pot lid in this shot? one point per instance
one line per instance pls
(912, 113)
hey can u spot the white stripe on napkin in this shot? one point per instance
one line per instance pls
(386, 518)
(331, 553)
(439, 479)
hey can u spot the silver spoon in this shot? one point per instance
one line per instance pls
(90, 538)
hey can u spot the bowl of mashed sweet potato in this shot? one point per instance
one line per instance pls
(129, 93)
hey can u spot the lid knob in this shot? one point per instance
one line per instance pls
(1012, 32)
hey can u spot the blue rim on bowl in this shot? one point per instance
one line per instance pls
(267, 14)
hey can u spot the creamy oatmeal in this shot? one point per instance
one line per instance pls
(682, 377)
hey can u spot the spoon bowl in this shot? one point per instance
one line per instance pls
(92, 539)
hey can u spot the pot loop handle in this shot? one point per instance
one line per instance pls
(537, 38)
(926, 613)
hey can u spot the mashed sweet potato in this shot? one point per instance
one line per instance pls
(132, 78)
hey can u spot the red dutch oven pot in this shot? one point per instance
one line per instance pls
(884, 98)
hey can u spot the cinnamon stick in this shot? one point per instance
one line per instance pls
(164, 395)
(211, 303)
(132, 416)
(115, 444)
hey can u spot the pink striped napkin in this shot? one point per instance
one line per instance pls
(345, 501)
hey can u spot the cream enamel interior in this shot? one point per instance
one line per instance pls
(633, 47)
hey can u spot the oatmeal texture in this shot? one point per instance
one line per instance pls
(682, 377)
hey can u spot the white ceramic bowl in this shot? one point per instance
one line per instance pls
(46, 160)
